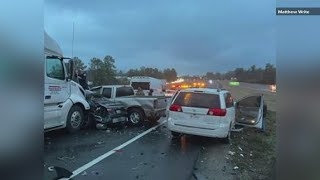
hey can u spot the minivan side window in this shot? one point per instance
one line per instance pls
(124, 91)
(106, 92)
(54, 68)
(228, 100)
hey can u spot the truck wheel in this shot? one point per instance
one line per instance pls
(135, 116)
(74, 119)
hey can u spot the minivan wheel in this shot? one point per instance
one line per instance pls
(135, 116)
(74, 119)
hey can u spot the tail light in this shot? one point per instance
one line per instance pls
(217, 112)
(176, 108)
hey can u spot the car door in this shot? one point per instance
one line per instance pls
(56, 92)
(249, 111)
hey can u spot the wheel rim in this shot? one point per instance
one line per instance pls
(134, 117)
(75, 119)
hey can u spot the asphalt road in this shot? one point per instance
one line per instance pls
(153, 156)
(259, 87)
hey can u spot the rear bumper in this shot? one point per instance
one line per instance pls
(220, 132)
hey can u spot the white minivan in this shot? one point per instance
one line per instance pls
(212, 113)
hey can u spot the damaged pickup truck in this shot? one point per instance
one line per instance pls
(103, 112)
(138, 108)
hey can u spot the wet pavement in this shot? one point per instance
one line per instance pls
(153, 156)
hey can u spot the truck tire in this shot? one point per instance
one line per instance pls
(75, 119)
(135, 116)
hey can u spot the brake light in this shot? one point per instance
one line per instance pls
(176, 108)
(217, 112)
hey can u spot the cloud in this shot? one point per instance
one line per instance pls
(193, 37)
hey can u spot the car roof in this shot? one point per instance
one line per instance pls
(205, 90)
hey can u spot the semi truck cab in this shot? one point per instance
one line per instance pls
(64, 100)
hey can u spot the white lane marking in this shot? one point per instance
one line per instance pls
(100, 158)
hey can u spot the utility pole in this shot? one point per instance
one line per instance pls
(72, 38)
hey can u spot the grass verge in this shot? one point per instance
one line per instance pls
(255, 154)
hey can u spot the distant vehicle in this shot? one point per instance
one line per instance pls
(139, 108)
(186, 85)
(233, 79)
(64, 100)
(146, 83)
(213, 113)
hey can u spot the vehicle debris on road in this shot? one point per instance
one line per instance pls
(64, 158)
(231, 153)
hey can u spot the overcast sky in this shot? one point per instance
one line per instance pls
(193, 37)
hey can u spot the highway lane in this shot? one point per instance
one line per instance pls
(153, 156)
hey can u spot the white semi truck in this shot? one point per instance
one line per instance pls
(65, 104)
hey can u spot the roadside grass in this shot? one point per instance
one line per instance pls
(262, 146)
(258, 150)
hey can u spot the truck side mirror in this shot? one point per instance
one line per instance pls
(71, 69)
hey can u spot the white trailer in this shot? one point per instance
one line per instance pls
(64, 100)
(146, 83)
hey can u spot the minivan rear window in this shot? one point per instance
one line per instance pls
(199, 100)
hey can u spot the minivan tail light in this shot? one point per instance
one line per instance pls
(217, 112)
(176, 108)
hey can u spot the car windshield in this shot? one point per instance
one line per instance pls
(199, 100)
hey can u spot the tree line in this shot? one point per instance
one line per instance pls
(104, 72)
(266, 75)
